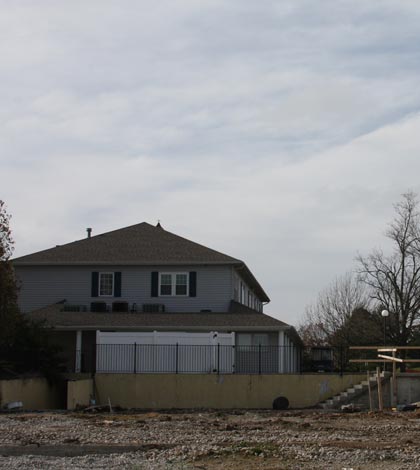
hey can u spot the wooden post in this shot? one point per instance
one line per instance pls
(379, 382)
(370, 392)
(394, 390)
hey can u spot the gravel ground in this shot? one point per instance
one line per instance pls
(266, 440)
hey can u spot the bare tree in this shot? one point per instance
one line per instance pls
(394, 280)
(327, 320)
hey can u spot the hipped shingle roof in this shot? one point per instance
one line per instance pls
(140, 244)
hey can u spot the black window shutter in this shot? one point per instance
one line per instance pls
(155, 284)
(95, 284)
(117, 286)
(193, 284)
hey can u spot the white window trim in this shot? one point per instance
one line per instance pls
(173, 284)
(113, 285)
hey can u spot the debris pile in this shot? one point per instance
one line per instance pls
(212, 440)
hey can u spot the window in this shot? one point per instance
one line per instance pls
(106, 284)
(173, 284)
(252, 339)
(166, 284)
(260, 339)
(181, 284)
(244, 339)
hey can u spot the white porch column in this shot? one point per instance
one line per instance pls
(98, 350)
(281, 352)
(294, 361)
(290, 355)
(78, 361)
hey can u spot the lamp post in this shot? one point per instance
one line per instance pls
(384, 314)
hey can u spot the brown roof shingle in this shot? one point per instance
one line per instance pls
(55, 317)
(138, 244)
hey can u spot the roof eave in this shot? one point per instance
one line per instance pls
(125, 263)
(169, 328)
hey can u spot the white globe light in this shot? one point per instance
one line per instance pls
(384, 313)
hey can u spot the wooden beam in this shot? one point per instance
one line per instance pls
(394, 386)
(361, 348)
(390, 358)
(361, 361)
(379, 384)
(370, 392)
(387, 349)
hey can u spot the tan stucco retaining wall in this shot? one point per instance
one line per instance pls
(79, 393)
(212, 391)
(34, 393)
(178, 391)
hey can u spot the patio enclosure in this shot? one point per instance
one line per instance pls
(174, 352)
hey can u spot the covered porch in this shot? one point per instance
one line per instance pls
(222, 343)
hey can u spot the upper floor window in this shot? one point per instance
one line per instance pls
(173, 284)
(106, 284)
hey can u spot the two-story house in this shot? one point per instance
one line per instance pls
(141, 287)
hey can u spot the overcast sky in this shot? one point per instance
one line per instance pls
(278, 132)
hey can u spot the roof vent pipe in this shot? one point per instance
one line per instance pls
(89, 232)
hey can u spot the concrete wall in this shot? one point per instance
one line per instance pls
(408, 388)
(193, 391)
(79, 393)
(35, 393)
(212, 391)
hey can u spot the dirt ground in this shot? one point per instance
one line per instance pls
(211, 440)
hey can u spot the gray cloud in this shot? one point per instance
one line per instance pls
(279, 133)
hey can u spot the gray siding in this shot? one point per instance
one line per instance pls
(41, 286)
(243, 293)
